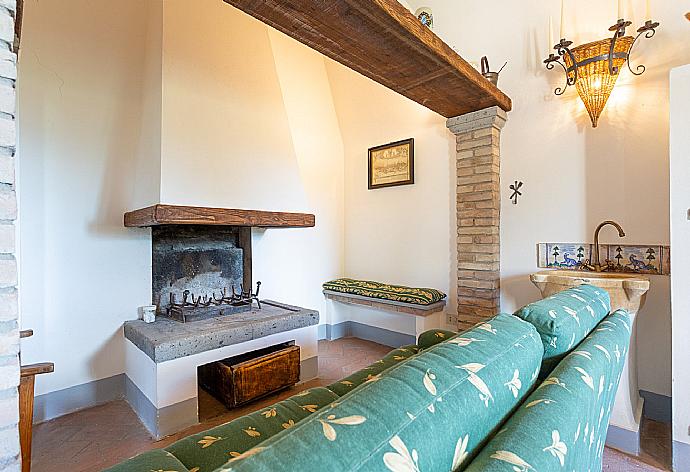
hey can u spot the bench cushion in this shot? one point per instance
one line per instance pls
(397, 293)
(566, 318)
(210, 449)
(563, 424)
(464, 387)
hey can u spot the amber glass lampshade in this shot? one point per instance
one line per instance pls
(595, 79)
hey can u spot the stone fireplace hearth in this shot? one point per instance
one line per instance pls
(167, 340)
(162, 357)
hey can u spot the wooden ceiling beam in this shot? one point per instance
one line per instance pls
(382, 40)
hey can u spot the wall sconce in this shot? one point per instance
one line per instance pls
(593, 68)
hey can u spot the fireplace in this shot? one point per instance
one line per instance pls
(208, 310)
(201, 272)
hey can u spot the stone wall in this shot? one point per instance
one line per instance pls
(9, 329)
(478, 213)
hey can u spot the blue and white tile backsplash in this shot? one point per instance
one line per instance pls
(652, 259)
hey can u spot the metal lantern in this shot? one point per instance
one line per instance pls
(593, 68)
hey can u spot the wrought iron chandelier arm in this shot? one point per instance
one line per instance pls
(563, 50)
(648, 30)
(619, 32)
(550, 65)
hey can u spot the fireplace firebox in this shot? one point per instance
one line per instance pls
(201, 272)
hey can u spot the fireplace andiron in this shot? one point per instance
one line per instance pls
(193, 308)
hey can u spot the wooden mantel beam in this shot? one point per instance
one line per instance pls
(161, 214)
(382, 40)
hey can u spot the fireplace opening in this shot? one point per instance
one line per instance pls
(201, 272)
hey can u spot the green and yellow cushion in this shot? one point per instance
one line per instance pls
(348, 384)
(206, 451)
(562, 426)
(431, 412)
(566, 318)
(396, 293)
(433, 337)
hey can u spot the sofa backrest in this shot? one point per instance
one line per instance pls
(565, 318)
(433, 411)
(563, 424)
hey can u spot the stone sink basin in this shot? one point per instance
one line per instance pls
(627, 291)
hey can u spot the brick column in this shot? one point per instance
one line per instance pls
(9, 329)
(478, 210)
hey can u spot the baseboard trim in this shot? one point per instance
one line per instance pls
(68, 400)
(164, 421)
(681, 456)
(367, 332)
(623, 440)
(119, 387)
(657, 407)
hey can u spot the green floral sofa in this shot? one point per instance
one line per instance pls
(517, 393)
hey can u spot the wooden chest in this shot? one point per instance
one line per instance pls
(241, 379)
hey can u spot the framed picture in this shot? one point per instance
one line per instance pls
(391, 164)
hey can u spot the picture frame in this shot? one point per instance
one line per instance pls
(391, 165)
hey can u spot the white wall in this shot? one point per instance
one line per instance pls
(680, 235)
(398, 234)
(131, 104)
(82, 69)
(576, 176)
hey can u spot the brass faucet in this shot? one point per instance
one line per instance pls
(596, 265)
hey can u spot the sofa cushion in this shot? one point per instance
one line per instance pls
(566, 318)
(433, 337)
(346, 385)
(563, 424)
(158, 459)
(463, 388)
(210, 449)
(398, 293)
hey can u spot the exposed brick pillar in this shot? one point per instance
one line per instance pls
(9, 330)
(478, 210)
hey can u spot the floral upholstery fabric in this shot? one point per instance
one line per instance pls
(566, 318)
(562, 426)
(208, 450)
(397, 293)
(152, 461)
(348, 384)
(461, 388)
(433, 337)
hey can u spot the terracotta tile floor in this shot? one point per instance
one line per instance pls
(95, 438)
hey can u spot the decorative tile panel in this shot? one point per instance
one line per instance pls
(650, 259)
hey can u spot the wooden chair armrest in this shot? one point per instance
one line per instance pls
(35, 369)
(26, 333)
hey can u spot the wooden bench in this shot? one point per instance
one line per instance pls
(426, 316)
